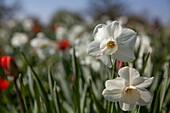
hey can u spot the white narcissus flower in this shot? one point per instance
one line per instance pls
(128, 89)
(112, 40)
(19, 39)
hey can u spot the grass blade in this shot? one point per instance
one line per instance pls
(40, 86)
(163, 85)
(76, 85)
(144, 64)
(52, 86)
(99, 107)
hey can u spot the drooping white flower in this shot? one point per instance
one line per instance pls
(111, 39)
(19, 39)
(128, 89)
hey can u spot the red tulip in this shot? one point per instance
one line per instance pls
(9, 65)
(3, 84)
(63, 44)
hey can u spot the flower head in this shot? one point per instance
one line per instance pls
(111, 39)
(3, 84)
(9, 65)
(128, 89)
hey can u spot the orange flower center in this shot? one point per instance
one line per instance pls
(111, 44)
(128, 90)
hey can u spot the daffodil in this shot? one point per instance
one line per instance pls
(112, 40)
(128, 89)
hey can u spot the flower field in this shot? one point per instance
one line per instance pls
(93, 66)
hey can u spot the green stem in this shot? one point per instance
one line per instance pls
(138, 109)
(145, 63)
(19, 98)
(112, 70)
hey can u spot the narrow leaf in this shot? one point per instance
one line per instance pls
(40, 87)
(99, 107)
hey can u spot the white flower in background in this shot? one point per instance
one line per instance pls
(75, 32)
(143, 41)
(123, 20)
(112, 40)
(39, 41)
(145, 45)
(27, 24)
(43, 46)
(81, 45)
(137, 44)
(95, 65)
(19, 39)
(61, 33)
(128, 89)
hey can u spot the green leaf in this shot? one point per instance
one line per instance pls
(163, 85)
(144, 64)
(23, 93)
(83, 98)
(30, 82)
(99, 107)
(2, 109)
(40, 87)
(76, 73)
(156, 102)
(34, 90)
(55, 98)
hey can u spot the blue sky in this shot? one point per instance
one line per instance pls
(45, 8)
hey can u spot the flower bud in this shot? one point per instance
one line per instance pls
(119, 65)
(3, 84)
(9, 65)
